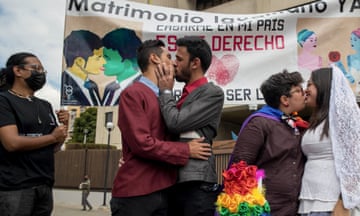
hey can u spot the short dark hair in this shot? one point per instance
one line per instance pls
(279, 84)
(80, 43)
(197, 48)
(7, 76)
(124, 40)
(145, 50)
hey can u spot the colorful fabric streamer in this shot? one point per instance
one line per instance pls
(243, 193)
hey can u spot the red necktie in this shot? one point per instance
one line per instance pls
(182, 98)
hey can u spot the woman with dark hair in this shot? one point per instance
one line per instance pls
(29, 136)
(331, 180)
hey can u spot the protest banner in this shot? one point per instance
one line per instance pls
(101, 37)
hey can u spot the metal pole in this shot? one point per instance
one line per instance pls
(86, 151)
(106, 166)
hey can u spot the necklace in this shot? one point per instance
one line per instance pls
(29, 98)
(20, 95)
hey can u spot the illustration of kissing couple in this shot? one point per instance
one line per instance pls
(87, 56)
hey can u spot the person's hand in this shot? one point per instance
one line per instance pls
(199, 150)
(58, 147)
(63, 116)
(165, 76)
(60, 134)
(340, 210)
(121, 162)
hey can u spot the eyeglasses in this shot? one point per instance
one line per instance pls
(297, 90)
(33, 67)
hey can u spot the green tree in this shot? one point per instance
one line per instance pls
(87, 120)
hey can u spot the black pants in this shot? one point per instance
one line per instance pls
(35, 201)
(193, 198)
(154, 204)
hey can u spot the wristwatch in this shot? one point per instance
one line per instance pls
(166, 91)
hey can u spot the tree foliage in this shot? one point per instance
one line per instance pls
(87, 120)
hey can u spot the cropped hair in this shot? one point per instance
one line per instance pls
(145, 50)
(279, 84)
(197, 48)
(7, 76)
(80, 43)
(123, 40)
(303, 35)
(321, 79)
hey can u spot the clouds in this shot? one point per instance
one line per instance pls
(35, 26)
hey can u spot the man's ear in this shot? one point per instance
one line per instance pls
(284, 101)
(155, 59)
(195, 63)
(17, 72)
(80, 62)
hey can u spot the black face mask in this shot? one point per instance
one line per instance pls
(36, 81)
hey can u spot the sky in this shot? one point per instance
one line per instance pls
(35, 26)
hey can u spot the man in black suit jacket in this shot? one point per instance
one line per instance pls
(83, 53)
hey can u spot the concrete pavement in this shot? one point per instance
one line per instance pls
(67, 210)
(68, 203)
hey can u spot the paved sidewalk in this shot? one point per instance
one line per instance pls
(67, 210)
(68, 203)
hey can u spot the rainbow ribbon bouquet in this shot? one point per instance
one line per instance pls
(243, 193)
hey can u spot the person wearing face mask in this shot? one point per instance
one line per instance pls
(30, 134)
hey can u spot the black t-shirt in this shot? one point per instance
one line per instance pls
(24, 169)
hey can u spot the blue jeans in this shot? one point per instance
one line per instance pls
(35, 201)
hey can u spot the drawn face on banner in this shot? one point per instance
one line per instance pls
(117, 66)
(95, 63)
(310, 43)
(355, 42)
(113, 59)
(120, 53)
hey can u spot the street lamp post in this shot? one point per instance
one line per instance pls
(86, 131)
(109, 127)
